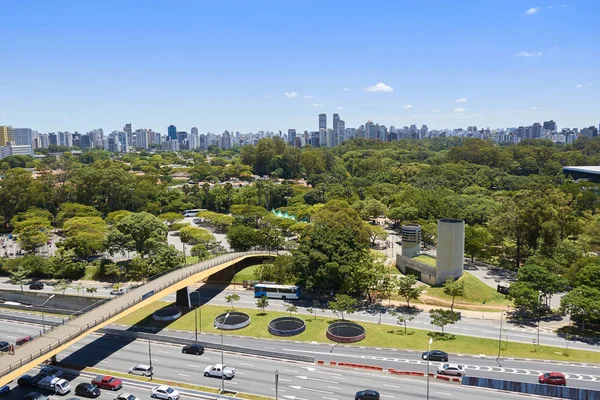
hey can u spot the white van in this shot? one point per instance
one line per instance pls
(141, 369)
(192, 213)
(55, 384)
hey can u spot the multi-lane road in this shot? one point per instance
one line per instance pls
(253, 374)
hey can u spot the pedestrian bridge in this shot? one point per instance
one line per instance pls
(63, 336)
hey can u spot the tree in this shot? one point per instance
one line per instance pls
(91, 290)
(343, 304)
(62, 285)
(583, 303)
(170, 218)
(165, 258)
(540, 279)
(313, 309)
(403, 318)
(262, 303)
(291, 308)
(231, 298)
(407, 288)
(63, 265)
(84, 235)
(192, 235)
(70, 210)
(141, 232)
(376, 233)
(374, 209)
(243, 238)
(19, 276)
(477, 239)
(280, 271)
(200, 251)
(402, 214)
(454, 288)
(386, 286)
(441, 317)
(78, 288)
(32, 232)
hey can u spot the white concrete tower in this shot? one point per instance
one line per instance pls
(450, 249)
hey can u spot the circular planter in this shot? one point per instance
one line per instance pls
(167, 314)
(286, 326)
(345, 332)
(235, 320)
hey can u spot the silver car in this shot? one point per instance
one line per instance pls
(451, 369)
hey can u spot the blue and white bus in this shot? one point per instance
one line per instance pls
(272, 291)
(192, 213)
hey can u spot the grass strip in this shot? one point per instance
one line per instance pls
(388, 336)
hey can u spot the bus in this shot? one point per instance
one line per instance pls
(192, 213)
(284, 292)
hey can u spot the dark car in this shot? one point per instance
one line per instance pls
(87, 390)
(435, 355)
(23, 340)
(4, 390)
(193, 349)
(367, 395)
(29, 380)
(553, 378)
(34, 396)
(4, 346)
(37, 285)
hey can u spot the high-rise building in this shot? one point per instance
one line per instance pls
(141, 138)
(194, 131)
(182, 137)
(424, 131)
(292, 137)
(536, 131)
(43, 140)
(172, 132)
(341, 131)
(4, 135)
(336, 127)
(21, 137)
(370, 132)
(550, 126)
(129, 135)
(226, 140)
(322, 121)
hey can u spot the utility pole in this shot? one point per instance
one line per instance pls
(150, 358)
(428, 362)
(276, 385)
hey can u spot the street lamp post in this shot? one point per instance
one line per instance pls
(539, 318)
(196, 323)
(276, 385)
(428, 362)
(42, 305)
(222, 356)
(500, 333)
(150, 359)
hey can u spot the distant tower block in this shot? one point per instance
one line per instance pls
(450, 249)
(411, 240)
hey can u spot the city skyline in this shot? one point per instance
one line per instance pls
(270, 66)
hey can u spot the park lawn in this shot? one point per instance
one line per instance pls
(476, 292)
(425, 259)
(377, 335)
(247, 274)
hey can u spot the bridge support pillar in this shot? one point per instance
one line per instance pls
(182, 298)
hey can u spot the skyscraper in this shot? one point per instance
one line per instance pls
(4, 135)
(292, 137)
(341, 131)
(322, 121)
(550, 126)
(172, 132)
(194, 131)
(129, 135)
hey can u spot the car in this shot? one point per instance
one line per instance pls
(367, 395)
(50, 370)
(55, 384)
(451, 369)
(4, 390)
(29, 380)
(141, 369)
(23, 340)
(34, 396)
(126, 396)
(87, 390)
(4, 346)
(164, 392)
(435, 355)
(553, 378)
(194, 348)
(118, 292)
(219, 371)
(107, 382)
(37, 285)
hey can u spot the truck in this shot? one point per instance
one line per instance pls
(54, 384)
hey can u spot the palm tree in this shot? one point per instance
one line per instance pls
(228, 190)
(348, 193)
(259, 186)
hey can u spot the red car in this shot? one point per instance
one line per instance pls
(107, 382)
(553, 378)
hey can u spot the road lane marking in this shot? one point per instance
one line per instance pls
(445, 394)
(334, 388)
(187, 376)
(246, 364)
(392, 386)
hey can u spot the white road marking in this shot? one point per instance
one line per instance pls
(392, 386)
(445, 394)
(246, 364)
(187, 376)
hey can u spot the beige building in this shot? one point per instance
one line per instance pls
(4, 135)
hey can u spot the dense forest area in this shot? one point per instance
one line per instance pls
(522, 212)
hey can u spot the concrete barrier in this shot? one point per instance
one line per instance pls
(61, 302)
(561, 392)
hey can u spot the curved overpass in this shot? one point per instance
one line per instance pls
(58, 339)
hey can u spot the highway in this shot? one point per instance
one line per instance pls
(578, 375)
(297, 381)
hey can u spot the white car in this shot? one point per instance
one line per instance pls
(141, 369)
(219, 371)
(126, 396)
(451, 369)
(165, 392)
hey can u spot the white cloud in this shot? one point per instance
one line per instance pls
(435, 110)
(535, 108)
(3, 114)
(459, 110)
(554, 48)
(530, 54)
(317, 105)
(461, 100)
(532, 10)
(476, 115)
(346, 89)
(408, 106)
(340, 108)
(580, 85)
(549, 6)
(563, 5)
(310, 96)
(380, 87)
(291, 95)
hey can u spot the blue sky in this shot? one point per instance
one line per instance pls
(79, 65)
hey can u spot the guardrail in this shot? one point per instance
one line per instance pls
(213, 263)
(561, 392)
